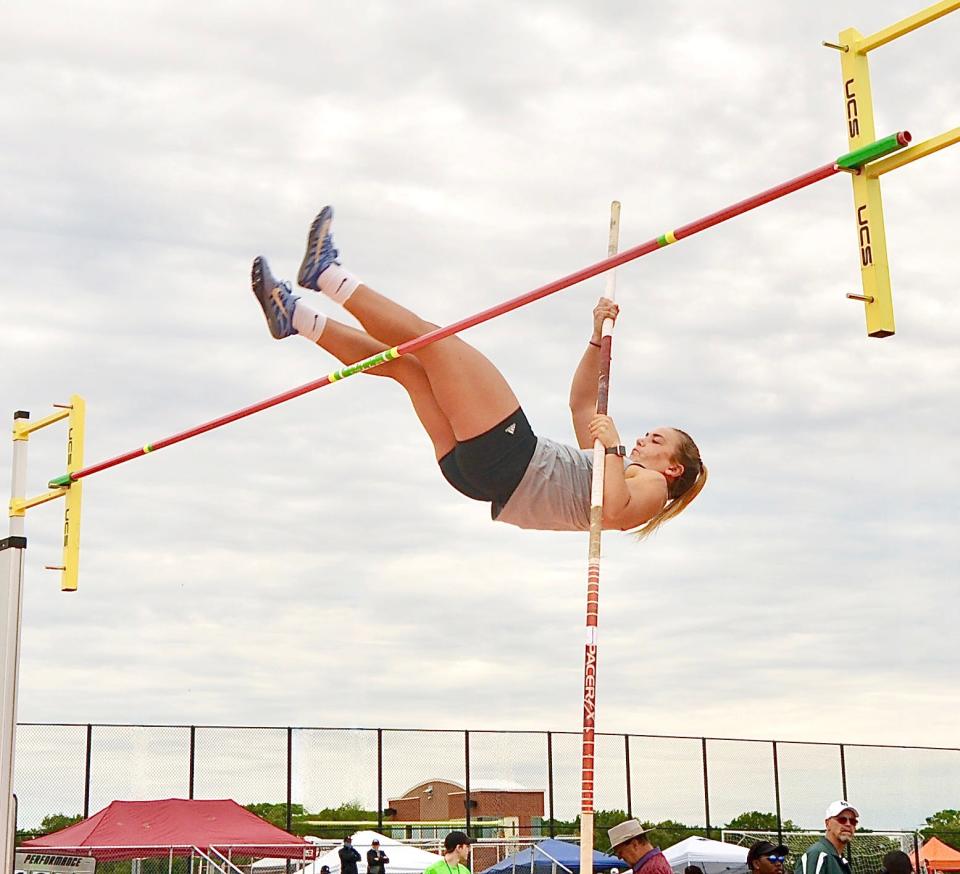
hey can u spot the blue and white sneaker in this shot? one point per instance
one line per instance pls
(275, 297)
(320, 253)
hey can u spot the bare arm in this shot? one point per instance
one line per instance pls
(583, 389)
(632, 496)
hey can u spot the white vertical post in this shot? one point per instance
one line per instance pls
(12, 551)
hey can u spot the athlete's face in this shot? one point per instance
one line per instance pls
(657, 449)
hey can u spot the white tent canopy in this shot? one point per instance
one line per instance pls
(404, 859)
(712, 857)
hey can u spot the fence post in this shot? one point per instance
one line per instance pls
(776, 791)
(287, 866)
(466, 767)
(626, 757)
(289, 778)
(86, 772)
(193, 759)
(380, 780)
(706, 784)
(553, 829)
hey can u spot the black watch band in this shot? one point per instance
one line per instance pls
(616, 450)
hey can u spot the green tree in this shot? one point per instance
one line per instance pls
(944, 824)
(56, 821)
(603, 820)
(669, 832)
(51, 823)
(663, 834)
(757, 820)
(349, 811)
(275, 813)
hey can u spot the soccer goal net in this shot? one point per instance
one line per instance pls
(866, 850)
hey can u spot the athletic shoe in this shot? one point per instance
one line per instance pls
(275, 298)
(320, 253)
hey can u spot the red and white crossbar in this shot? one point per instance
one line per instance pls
(413, 345)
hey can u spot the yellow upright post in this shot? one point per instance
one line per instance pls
(868, 206)
(858, 104)
(74, 495)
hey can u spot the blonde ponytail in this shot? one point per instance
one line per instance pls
(683, 489)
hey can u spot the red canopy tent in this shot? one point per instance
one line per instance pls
(937, 856)
(174, 827)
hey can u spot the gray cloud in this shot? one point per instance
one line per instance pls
(252, 575)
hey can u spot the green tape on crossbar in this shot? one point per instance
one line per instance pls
(865, 154)
(366, 364)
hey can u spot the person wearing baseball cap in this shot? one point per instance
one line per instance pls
(826, 855)
(629, 841)
(348, 856)
(376, 859)
(456, 851)
(766, 858)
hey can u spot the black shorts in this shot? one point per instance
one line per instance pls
(490, 467)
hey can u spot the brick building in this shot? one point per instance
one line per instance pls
(508, 809)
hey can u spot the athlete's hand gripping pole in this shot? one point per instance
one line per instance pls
(593, 571)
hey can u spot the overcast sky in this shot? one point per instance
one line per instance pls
(309, 566)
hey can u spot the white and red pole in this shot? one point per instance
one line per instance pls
(593, 573)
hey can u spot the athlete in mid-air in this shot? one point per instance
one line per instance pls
(483, 442)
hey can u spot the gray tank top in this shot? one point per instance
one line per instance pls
(554, 494)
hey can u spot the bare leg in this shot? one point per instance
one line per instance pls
(350, 345)
(470, 391)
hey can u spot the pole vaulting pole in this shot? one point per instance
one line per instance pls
(593, 571)
(851, 161)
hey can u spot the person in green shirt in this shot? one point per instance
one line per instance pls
(456, 851)
(826, 855)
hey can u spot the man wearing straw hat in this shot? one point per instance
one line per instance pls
(629, 841)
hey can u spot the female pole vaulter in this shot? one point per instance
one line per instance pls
(482, 440)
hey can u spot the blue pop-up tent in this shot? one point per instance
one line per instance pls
(553, 857)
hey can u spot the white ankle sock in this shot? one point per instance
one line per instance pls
(337, 284)
(308, 322)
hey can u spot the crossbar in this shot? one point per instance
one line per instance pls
(688, 230)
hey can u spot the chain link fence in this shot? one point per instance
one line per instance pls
(688, 785)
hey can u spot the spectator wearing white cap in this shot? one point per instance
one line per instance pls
(826, 855)
(629, 841)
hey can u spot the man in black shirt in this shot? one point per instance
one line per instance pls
(376, 859)
(348, 857)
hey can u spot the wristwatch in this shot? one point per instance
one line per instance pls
(616, 450)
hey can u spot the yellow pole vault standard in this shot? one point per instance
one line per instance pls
(74, 496)
(593, 571)
(868, 205)
(75, 412)
(877, 296)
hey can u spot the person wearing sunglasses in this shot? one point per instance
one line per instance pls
(826, 856)
(766, 858)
